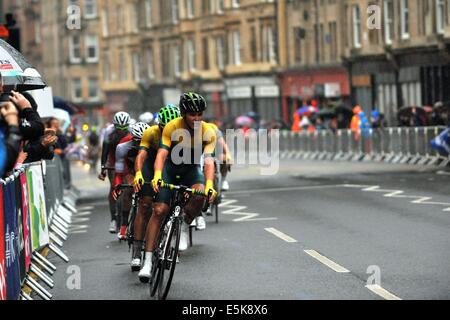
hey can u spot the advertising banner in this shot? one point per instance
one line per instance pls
(2, 250)
(20, 240)
(11, 242)
(38, 213)
(26, 220)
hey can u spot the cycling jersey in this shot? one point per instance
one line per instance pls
(188, 174)
(174, 129)
(150, 143)
(111, 139)
(126, 153)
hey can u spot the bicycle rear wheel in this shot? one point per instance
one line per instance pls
(169, 261)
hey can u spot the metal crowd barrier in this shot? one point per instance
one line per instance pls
(35, 217)
(392, 145)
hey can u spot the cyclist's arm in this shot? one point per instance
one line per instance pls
(161, 157)
(105, 152)
(140, 159)
(210, 138)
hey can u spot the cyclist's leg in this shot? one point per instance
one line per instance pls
(159, 212)
(194, 178)
(112, 203)
(144, 207)
(126, 207)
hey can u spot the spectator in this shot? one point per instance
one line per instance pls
(10, 136)
(42, 149)
(31, 125)
(61, 145)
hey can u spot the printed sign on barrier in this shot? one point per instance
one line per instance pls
(20, 240)
(11, 242)
(2, 250)
(26, 220)
(38, 213)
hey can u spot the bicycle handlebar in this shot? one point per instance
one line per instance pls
(196, 192)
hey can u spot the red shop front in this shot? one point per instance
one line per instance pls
(322, 85)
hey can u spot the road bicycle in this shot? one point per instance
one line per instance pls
(165, 255)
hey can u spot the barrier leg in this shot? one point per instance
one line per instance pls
(41, 275)
(33, 284)
(58, 252)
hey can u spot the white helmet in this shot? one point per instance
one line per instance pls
(121, 119)
(146, 117)
(138, 130)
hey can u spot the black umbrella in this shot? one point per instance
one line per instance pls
(16, 73)
(60, 103)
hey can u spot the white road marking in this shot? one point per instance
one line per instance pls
(400, 194)
(238, 211)
(329, 263)
(443, 173)
(382, 292)
(245, 192)
(280, 235)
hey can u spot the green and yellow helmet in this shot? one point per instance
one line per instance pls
(168, 113)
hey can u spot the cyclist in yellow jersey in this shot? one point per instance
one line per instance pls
(168, 165)
(144, 173)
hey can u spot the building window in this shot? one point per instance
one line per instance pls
(235, 3)
(174, 5)
(190, 9)
(90, 9)
(105, 23)
(404, 6)
(122, 67)
(440, 16)
(134, 18)
(77, 94)
(150, 68)
(91, 48)
(253, 48)
(236, 45)
(94, 93)
(356, 26)
(388, 21)
(37, 31)
(219, 6)
(148, 13)
(333, 41)
(177, 61)
(120, 19)
(75, 48)
(106, 66)
(206, 7)
(190, 47)
(297, 45)
(271, 45)
(136, 67)
(220, 50)
(205, 54)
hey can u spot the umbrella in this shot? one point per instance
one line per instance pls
(64, 117)
(326, 114)
(411, 110)
(16, 73)
(303, 111)
(243, 121)
(59, 103)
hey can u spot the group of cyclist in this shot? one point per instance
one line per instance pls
(170, 152)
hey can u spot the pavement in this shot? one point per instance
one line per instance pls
(314, 231)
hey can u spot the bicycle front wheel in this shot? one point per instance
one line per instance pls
(169, 260)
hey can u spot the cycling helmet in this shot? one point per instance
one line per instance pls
(168, 113)
(146, 117)
(138, 130)
(192, 102)
(121, 119)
